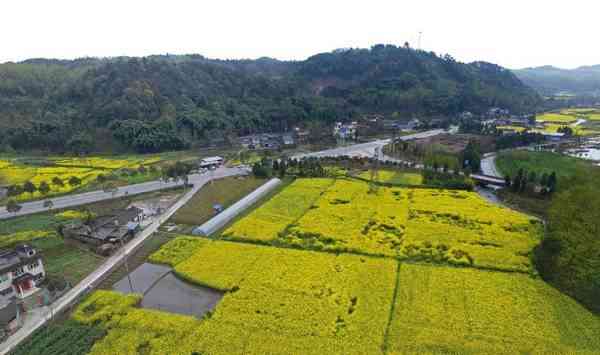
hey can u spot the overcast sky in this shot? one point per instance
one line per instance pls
(512, 33)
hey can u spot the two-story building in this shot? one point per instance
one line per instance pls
(21, 272)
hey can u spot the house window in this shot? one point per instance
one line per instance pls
(34, 265)
(18, 272)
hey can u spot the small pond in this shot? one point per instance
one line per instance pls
(163, 291)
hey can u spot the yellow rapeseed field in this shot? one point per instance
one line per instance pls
(556, 118)
(281, 300)
(23, 237)
(270, 219)
(86, 169)
(177, 250)
(106, 163)
(442, 310)
(444, 226)
(395, 177)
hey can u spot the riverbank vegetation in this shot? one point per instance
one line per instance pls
(569, 256)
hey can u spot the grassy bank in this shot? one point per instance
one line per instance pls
(225, 192)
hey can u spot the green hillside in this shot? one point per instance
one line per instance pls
(161, 103)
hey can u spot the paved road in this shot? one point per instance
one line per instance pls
(95, 196)
(366, 149)
(488, 166)
(37, 319)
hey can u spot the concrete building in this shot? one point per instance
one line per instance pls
(211, 162)
(21, 271)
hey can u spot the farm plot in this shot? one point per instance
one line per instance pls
(469, 230)
(224, 191)
(266, 222)
(556, 118)
(57, 173)
(441, 310)
(309, 302)
(442, 226)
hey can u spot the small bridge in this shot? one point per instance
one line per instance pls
(488, 180)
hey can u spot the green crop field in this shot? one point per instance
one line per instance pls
(540, 162)
(71, 338)
(396, 177)
(225, 192)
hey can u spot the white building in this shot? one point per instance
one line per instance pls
(21, 272)
(210, 162)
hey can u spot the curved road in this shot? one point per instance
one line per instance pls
(366, 149)
(488, 166)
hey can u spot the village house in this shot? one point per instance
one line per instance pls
(288, 140)
(21, 274)
(118, 227)
(301, 135)
(345, 130)
(21, 271)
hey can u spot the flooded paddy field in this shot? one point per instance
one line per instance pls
(163, 291)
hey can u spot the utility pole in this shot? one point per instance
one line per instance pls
(373, 184)
(419, 42)
(127, 267)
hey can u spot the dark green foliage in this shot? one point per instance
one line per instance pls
(13, 207)
(569, 256)
(29, 187)
(263, 169)
(70, 338)
(168, 102)
(518, 140)
(44, 188)
(179, 170)
(446, 180)
(56, 181)
(74, 181)
(471, 156)
(568, 131)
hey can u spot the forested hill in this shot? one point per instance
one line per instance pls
(167, 102)
(550, 80)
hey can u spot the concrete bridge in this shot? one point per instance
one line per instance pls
(488, 180)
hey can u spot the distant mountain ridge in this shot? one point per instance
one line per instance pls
(550, 80)
(165, 102)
